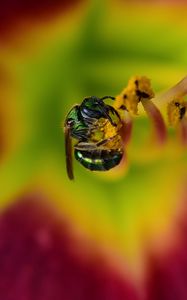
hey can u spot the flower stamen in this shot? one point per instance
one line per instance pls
(177, 91)
(126, 129)
(157, 120)
(139, 90)
(177, 110)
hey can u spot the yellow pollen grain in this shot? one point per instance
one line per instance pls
(174, 111)
(138, 88)
(110, 130)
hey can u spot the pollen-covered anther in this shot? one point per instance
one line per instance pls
(138, 89)
(177, 117)
(176, 111)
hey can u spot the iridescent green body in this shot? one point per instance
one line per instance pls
(84, 123)
(78, 128)
(99, 160)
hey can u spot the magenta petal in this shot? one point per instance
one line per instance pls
(37, 261)
(167, 276)
(11, 11)
(168, 279)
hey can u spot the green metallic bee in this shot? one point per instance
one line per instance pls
(95, 125)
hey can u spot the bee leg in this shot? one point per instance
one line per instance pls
(92, 146)
(106, 114)
(68, 151)
(103, 142)
(85, 146)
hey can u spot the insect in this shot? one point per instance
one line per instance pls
(95, 127)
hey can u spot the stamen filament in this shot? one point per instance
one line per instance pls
(182, 132)
(178, 90)
(126, 130)
(157, 120)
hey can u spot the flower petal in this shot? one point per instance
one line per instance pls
(38, 260)
(13, 11)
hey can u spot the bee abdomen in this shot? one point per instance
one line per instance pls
(99, 160)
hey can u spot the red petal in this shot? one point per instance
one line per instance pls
(11, 11)
(37, 261)
(167, 277)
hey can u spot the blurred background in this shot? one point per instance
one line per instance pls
(99, 237)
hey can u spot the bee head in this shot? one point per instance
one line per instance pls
(94, 107)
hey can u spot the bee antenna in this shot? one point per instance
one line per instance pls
(107, 97)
